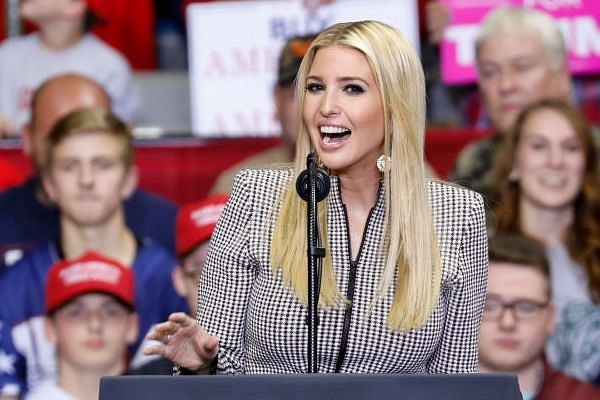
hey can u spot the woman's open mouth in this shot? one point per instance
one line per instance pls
(334, 134)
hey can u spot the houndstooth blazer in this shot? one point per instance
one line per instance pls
(261, 324)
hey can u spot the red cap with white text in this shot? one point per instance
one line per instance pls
(90, 273)
(196, 222)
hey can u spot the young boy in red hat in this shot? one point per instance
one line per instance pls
(194, 227)
(91, 319)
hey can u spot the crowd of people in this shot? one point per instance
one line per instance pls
(496, 270)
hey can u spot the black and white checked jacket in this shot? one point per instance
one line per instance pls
(261, 324)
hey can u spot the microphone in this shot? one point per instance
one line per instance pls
(321, 180)
(313, 185)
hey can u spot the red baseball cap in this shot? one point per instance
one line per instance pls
(196, 222)
(90, 273)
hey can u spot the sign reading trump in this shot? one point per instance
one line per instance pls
(579, 21)
(233, 51)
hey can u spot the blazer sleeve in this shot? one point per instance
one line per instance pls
(463, 290)
(227, 278)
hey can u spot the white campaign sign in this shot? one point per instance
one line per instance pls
(233, 50)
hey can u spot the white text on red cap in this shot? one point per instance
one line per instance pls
(90, 271)
(207, 215)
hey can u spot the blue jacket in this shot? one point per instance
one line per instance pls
(25, 222)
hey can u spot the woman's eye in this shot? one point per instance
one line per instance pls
(354, 89)
(537, 145)
(572, 147)
(313, 87)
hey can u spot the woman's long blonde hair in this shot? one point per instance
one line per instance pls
(410, 243)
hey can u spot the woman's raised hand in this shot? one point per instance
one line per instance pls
(184, 342)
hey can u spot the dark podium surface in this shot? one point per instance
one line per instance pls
(313, 387)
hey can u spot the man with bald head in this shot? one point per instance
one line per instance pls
(53, 99)
(27, 217)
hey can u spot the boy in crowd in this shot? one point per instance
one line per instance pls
(518, 318)
(88, 173)
(28, 216)
(90, 317)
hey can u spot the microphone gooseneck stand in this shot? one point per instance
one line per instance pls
(313, 186)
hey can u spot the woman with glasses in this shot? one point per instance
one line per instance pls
(548, 190)
(518, 317)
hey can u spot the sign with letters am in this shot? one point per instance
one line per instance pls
(579, 21)
(233, 50)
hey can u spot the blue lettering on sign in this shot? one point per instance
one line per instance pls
(284, 27)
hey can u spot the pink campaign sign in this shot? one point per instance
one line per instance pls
(579, 21)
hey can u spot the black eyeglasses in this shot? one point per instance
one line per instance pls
(522, 309)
